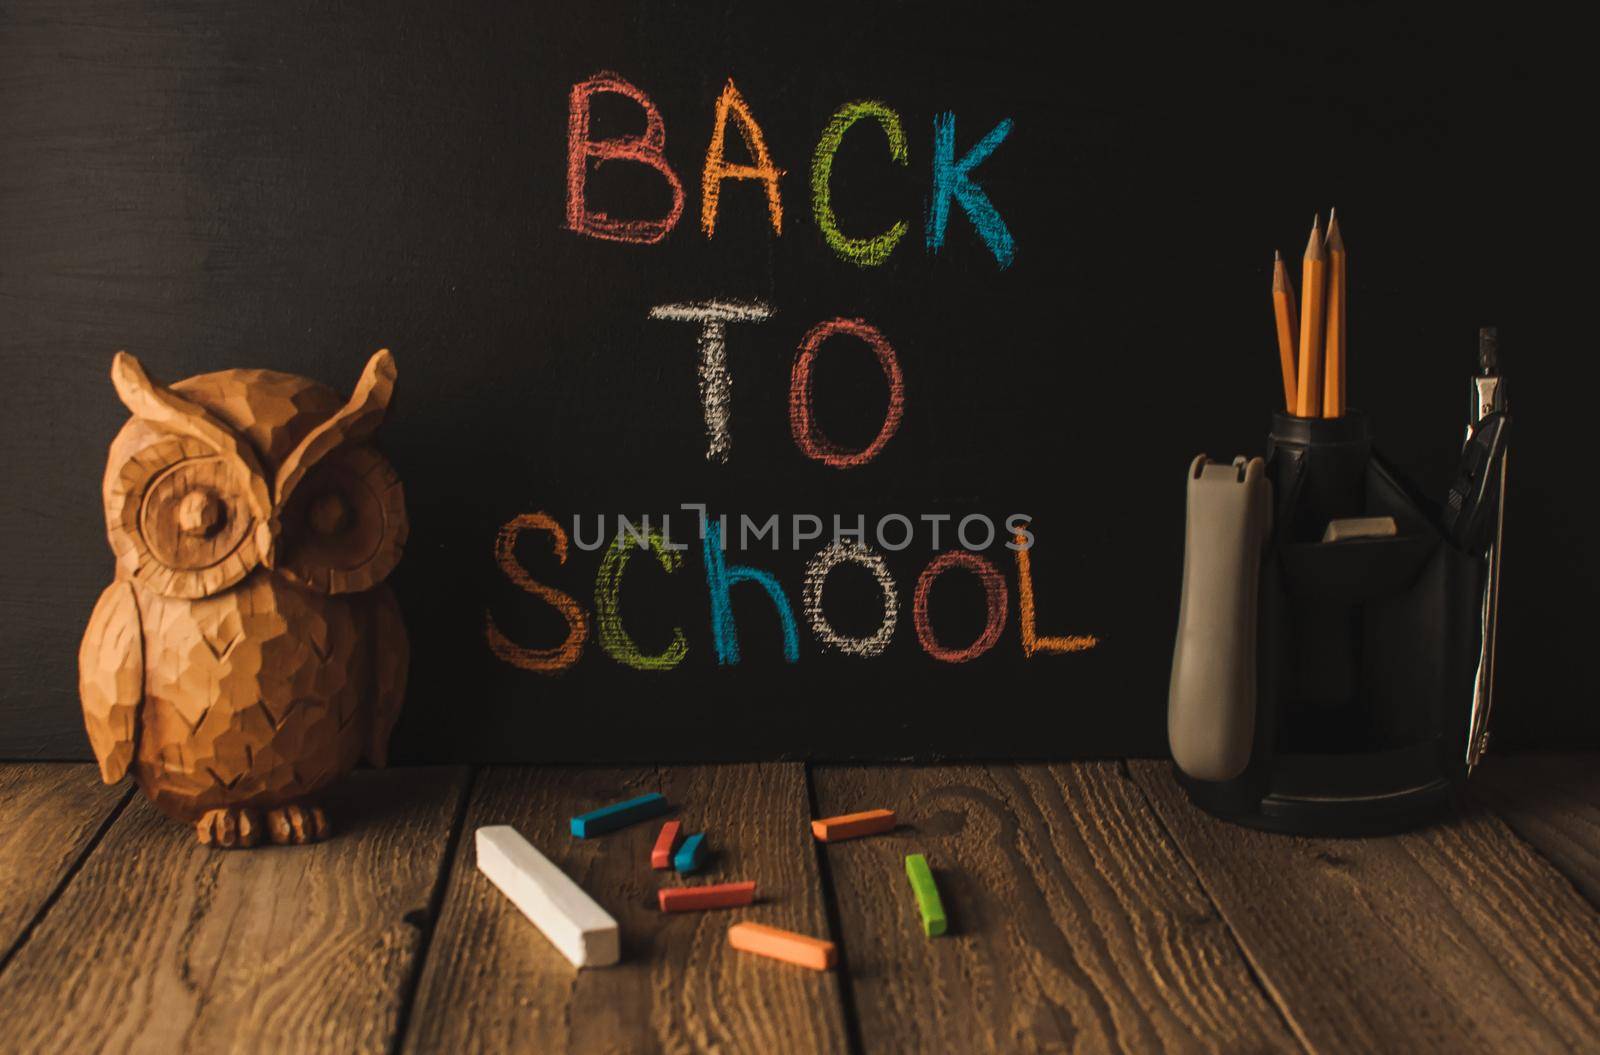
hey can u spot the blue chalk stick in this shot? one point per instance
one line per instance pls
(692, 854)
(619, 815)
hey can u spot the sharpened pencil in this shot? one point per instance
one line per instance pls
(1313, 275)
(1283, 310)
(1333, 347)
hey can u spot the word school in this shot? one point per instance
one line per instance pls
(952, 180)
(721, 577)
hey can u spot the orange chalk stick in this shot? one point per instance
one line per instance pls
(718, 895)
(666, 842)
(853, 825)
(783, 945)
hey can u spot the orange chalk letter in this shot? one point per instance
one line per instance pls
(718, 168)
(1031, 641)
(546, 660)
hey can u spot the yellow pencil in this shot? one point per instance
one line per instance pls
(1334, 358)
(1313, 268)
(1283, 312)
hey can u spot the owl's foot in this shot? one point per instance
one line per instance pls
(296, 823)
(228, 828)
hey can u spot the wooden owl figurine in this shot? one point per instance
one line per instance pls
(248, 653)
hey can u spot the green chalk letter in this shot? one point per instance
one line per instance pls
(863, 252)
(607, 590)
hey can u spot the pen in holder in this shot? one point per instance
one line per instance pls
(1365, 648)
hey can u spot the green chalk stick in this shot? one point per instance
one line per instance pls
(928, 903)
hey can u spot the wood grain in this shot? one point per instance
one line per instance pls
(1552, 801)
(49, 814)
(1074, 924)
(492, 982)
(1451, 939)
(162, 945)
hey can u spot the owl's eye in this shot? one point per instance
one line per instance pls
(345, 525)
(328, 514)
(178, 519)
(201, 512)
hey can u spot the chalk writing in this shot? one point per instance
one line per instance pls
(646, 148)
(864, 252)
(720, 579)
(1031, 641)
(565, 654)
(802, 422)
(716, 383)
(952, 179)
(994, 592)
(817, 574)
(717, 169)
(607, 604)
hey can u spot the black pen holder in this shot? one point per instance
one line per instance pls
(1367, 649)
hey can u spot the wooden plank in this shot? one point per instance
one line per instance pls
(492, 982)
(49, 814)
(160, 944)
(1552, 801)
(1455, 938)
(1073, 923)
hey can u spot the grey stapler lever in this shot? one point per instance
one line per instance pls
(1211, 703)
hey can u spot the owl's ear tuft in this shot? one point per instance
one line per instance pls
(354, 423)
(133, 385)
(378, 377)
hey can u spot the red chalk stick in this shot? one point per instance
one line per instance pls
(666, 842)
(852, 825)
(721, 895)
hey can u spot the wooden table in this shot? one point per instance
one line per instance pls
(1091, 909)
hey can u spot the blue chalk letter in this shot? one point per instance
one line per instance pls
(952, 179)
(719, 580)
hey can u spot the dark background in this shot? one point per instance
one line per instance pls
(294, 185)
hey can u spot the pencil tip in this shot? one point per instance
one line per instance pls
(1314, 244)
(1335, 237)
(1277, 257)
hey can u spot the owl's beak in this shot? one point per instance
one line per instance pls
(267, 542)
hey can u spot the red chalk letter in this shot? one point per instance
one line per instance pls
(994, 590)
(548, 660)
(803, 425)
(645, 149)
(717, 169)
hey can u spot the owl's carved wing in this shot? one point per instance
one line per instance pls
(111, 679)
(391, 655)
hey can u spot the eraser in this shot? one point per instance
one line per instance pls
(583, 931)
(928, 902)
(853, 825)
(666, 842)
(691, 855)
(1346, 528)
(619, 815)
(692, 898)
(785, 945)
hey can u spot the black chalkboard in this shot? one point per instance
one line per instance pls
(296, 185)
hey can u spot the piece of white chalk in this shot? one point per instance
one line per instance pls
(583, 931)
